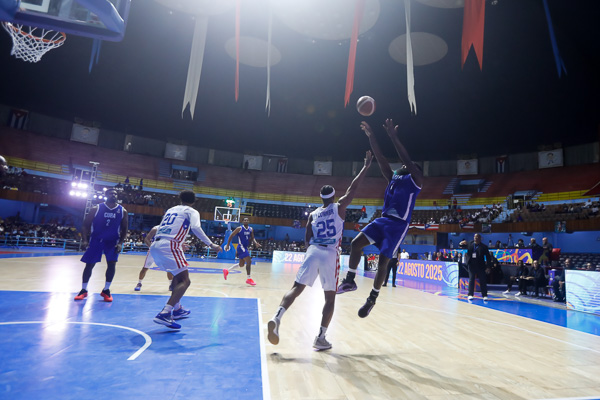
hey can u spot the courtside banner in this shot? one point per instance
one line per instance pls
(297, 258)
(436, 272)
(583, 291)
(502, 255)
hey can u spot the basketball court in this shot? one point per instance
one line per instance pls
(415, 344)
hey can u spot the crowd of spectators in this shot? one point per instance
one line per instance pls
(12, 230)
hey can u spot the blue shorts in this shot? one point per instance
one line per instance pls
(242, 252)
(387, 234)
(93, 254)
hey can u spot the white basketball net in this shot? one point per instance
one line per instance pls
(31, 43)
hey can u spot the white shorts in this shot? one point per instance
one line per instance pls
(149, 260)
(168, 256)
(321, 261)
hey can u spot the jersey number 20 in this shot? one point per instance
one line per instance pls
(169, 219)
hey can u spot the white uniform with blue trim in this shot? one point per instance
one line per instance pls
(322, 257)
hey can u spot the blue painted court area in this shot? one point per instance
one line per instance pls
(55, 348)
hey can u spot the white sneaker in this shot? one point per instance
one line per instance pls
(273, 326)
(517, 294)
(321, 344)
(470, 297)
(485, 298)
(506, 291)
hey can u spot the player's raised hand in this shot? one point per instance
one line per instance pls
(390, 128)
(366, 128)
(227, 247)
(216, 247)
(368, 158)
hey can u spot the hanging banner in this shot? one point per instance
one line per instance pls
(550, 159)
(466, 167)
(472, 35)
(560, 65)
(358, 14)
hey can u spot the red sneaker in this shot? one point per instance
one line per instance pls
(106, 294)
(82, 295)
(225, 273)
(250, 282)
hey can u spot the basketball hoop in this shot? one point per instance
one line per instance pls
(31, 43)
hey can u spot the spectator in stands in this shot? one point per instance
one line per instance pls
(478, 260)
(546, 252)
(558, 286)
(495, 274)
(404, 255)
(510, 243)
(519, 277)
(533, 244)
(537, 278)
(490, 245)
(498, 244)
(520, 244)
(454, 203)
(589, 267)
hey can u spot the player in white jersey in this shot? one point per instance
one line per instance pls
(324, 231)
(149, 261)
(168, 254)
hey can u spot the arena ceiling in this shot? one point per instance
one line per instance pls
(515, 104)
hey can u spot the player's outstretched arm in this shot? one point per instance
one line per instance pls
(384, 166)
(235, 232)
(347, 198)
(308, 234)
(197, 229)
(123, 230)
(150, 236)
(415, 172)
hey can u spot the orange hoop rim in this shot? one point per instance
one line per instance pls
(37, 38)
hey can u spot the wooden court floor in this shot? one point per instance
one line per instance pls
(414, 345)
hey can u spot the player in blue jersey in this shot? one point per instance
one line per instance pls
(107, 223)
(245, 236)
(387, 232)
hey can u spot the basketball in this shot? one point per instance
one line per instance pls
(365, 106)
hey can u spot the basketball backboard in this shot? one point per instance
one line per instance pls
(96, 19)
(227, 214)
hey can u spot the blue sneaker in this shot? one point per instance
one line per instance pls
(346, 286)
(166, 320)
(181, 313)
(138, 287)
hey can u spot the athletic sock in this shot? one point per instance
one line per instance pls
(176, 306)
(322, 332)
(279, 313)
(107, 285)
(84, 286)
(232, 267)
(167, 309)
(249, 277)
(140, 281)
(374, 293)
(351, 274)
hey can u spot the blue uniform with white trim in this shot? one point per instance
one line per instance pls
(244, 236)
(106, 230)
(388, 231)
